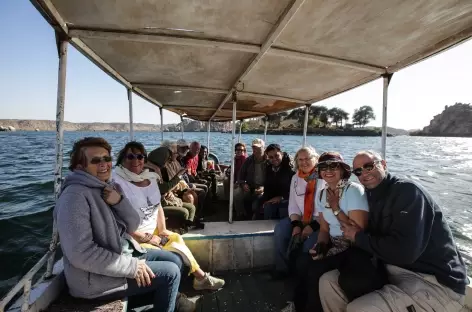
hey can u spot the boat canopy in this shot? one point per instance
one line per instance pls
(189, 56)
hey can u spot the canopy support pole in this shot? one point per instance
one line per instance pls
(233, 137)
(61, 93)
(182, 125)
(208, 135)
(240, 130)
(162, 124)
(386, 83)
(305, 123)
(130, 101)
(266, 125)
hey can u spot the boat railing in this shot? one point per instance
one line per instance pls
(25, 283)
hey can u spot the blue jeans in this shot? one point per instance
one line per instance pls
(164, 287)
(276, 211)
(282, 236)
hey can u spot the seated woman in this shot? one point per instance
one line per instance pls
(204, 172)
(303, 214)
(94, 220)
(340, 201)
(139, 185)
(279, 173)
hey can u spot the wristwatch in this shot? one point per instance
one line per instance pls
(336, 212)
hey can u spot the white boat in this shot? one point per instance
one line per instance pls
(222, 60)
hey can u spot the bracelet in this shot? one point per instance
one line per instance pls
(297, 223)
(147, 238)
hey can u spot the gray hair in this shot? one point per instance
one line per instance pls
(373, 154)
(310, 150)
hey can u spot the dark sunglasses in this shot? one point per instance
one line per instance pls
(131, 156)
(240, 150)
(329, 165)
(367, 167)
(97, 160)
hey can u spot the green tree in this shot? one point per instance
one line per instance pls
(320, 113)
(363, 115)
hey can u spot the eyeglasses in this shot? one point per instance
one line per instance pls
(367, 167)
(240, 150)
(97, 160)
(132, 156)
(328, 166)
(295, 185)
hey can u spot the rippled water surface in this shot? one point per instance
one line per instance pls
(442, 165)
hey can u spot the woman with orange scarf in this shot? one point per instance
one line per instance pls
(302, 222)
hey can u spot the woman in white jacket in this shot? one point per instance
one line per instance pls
(302, 220)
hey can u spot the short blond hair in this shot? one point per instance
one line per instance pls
(310, 150)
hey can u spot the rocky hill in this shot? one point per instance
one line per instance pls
(454, 121)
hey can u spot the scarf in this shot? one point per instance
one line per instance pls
(309, 202)
(129, 176)
(341, 186)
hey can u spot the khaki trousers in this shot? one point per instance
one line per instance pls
(407, 288)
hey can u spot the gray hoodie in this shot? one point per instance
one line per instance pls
(91, 234)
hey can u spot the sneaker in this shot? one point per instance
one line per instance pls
(208, 282)
(289, 308)
(183, 304)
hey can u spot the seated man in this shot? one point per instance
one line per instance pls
(182, 149)
(204, 172)
(408, 232)
(191, 161)
(101, 259)
(279, 173)
(250, 182)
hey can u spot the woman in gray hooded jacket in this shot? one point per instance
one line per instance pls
(101, 260)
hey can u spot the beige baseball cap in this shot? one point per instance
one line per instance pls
(258, 143)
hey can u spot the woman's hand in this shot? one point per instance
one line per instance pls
(111, 196)
(151, 166)
(332, 197)
(144, 274)
(166, 233)
(155, 241)
(307, 231)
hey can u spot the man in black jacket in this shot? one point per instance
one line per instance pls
(279, 173)
(408, 232)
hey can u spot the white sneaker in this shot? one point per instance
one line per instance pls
(208, 282)
(289, 308)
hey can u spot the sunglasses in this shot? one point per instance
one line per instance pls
(240, 150)
(98, 160)
(328, 166)
(367, 167)
(131, 156)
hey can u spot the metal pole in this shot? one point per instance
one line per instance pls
(265, 128)
(61, 93)
(305, 123)
(182, 125)
(208, 135)
(130, 101)
(162, 124)
(240, 130)
(233, 137)
(386, 82)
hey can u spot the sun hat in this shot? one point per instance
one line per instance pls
(334, 157)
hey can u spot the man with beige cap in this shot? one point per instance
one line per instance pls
(250, 182)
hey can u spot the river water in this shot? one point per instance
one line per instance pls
(442, 165)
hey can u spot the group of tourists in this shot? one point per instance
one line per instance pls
(379, 245)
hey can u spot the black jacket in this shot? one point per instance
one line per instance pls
(277, 183)
(408, 229)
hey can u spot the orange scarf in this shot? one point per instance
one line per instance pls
(309, 203)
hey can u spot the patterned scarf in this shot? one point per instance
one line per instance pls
(309, 202)
(341, 186)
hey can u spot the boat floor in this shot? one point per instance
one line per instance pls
(255, 291)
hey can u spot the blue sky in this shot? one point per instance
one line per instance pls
(28, 81)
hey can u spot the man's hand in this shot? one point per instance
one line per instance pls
(296, 230)
(307, 231)
(350, 229)
(181, 172)
(274, 200)
(111, 196)
(332, 197)
(246, 187)
(144, 274)
(259, 190)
